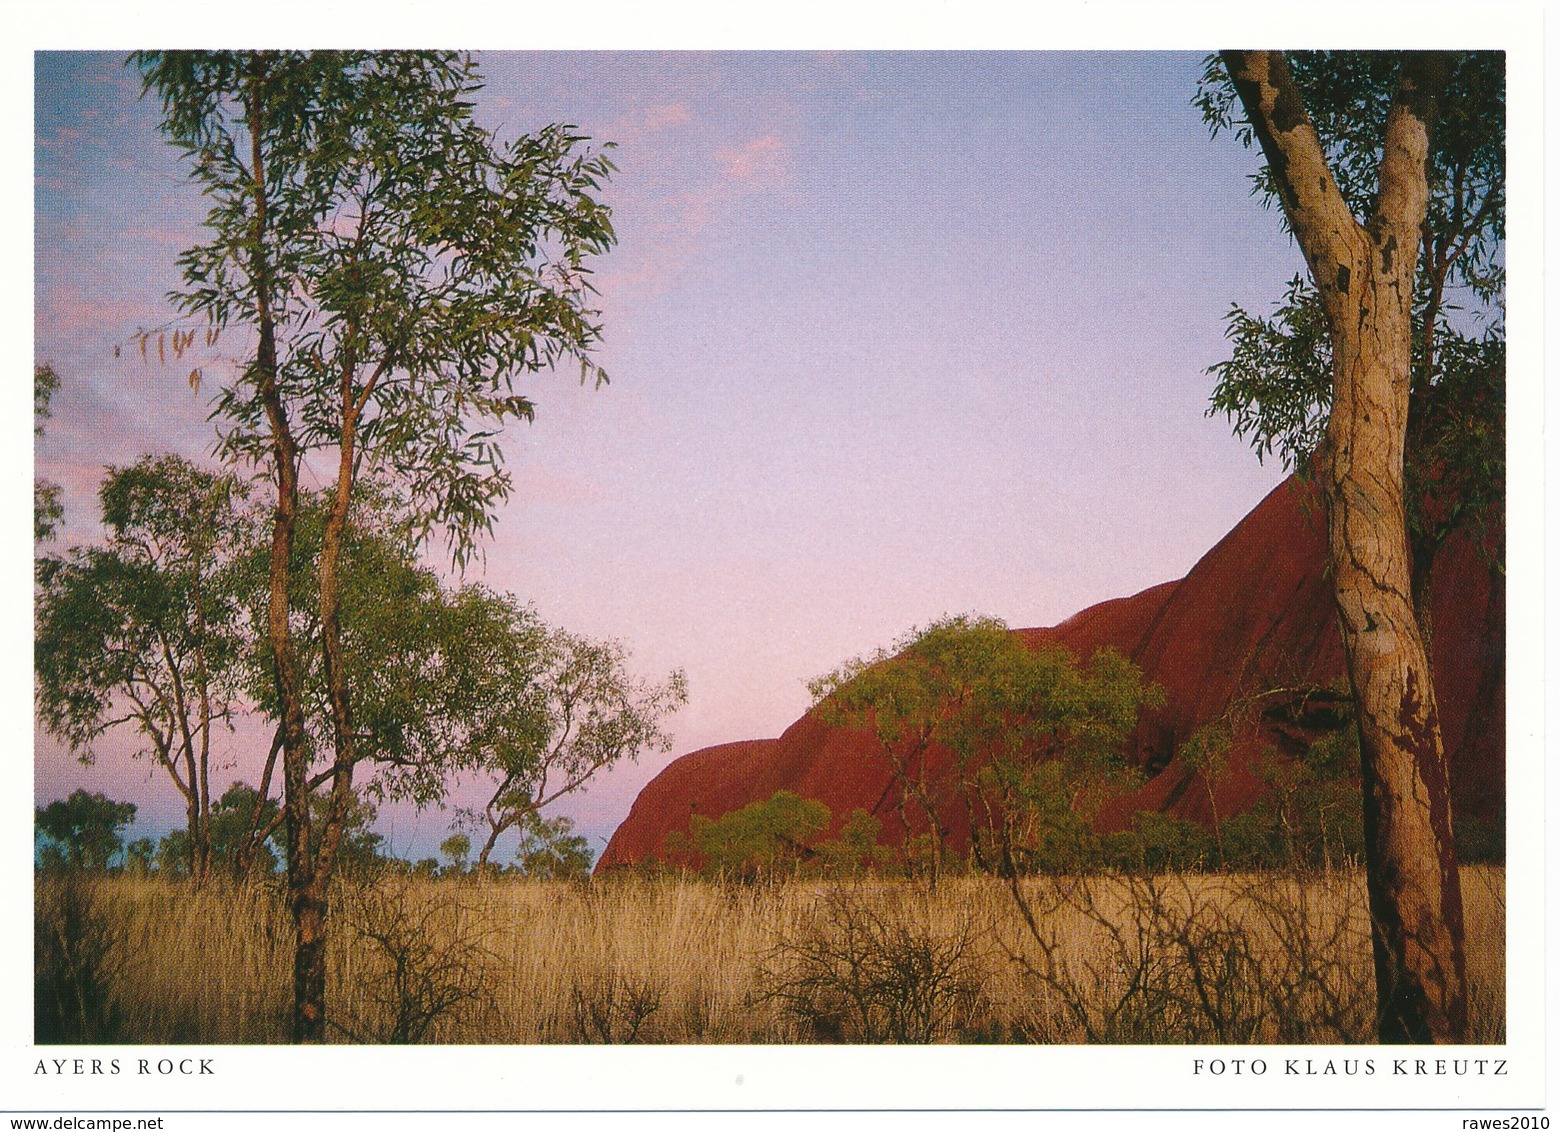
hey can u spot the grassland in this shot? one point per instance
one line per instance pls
(1178, 958)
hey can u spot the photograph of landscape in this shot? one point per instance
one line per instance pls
(793, 549)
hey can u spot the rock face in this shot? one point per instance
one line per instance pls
(1249, 636)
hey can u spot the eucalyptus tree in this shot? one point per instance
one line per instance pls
(147, 632)
(1033, 739)
(1276, 386)
(83, 831)
(541, 711)
(397, 268)
(1389, 170)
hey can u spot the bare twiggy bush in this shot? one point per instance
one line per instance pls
(419, 963)
(612, 1009)
(1317, 980)
(1179, 958)
(870, 965)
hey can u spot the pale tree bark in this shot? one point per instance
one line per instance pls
(1365, 275)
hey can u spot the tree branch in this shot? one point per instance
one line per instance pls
(1329, 236)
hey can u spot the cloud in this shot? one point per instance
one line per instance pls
(649, 278)
(666, 115)
(676, 221)
(753, 167)
(64, 137)
(168, 236)
(761, 163)
(111, 72)
(67, 311)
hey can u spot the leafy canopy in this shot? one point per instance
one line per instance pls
(761, 838)
(1036, 740)
(148, 627)
(549, 710)
(47, 509)
(1276, 386)
(414, 265)
(83, 830)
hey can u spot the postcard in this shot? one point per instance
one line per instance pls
(833, 563)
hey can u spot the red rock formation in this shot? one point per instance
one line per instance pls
(1248, 635)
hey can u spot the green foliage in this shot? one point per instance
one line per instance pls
(763, 839)
(424, 659)
(1348, 95)
(1480, 840)
(399, 269)
(413, 265)
(1036, 739)
(856, 850)
(1276, 387)
(83, 831)
(1158, 843)
(1033, 736)
(243, 837)
(47, 509)
(456, 851)
(541, 711)
(140, 856)
(146, 629)
(903, 692)
(242, 831)
(448, 678)
(46, 383)
(551, 850)
(1312, 814)
(362, 850)
(172, 857)
(1207, 751)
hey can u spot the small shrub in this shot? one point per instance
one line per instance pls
(1480, 840)
(1159, 843)
(856, 971)
(1165, 958)
(612, 1008)
(763, 840)
(855, 851)
(421, 961)
(551, 850)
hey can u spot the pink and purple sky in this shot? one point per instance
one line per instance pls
(890, 336)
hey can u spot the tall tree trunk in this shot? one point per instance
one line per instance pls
(201, 832)
(304, 896)
(1416, 902)
(1365, 275)
(338, 687)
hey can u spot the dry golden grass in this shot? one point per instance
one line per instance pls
(1179, 958)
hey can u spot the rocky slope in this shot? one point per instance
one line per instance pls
(1251, 626)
